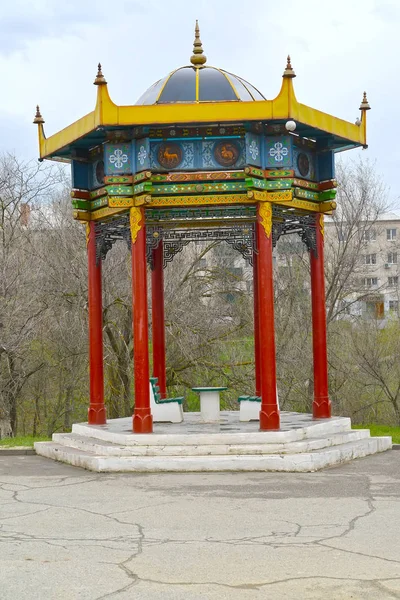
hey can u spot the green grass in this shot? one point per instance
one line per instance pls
(22, 440)
(377, 430)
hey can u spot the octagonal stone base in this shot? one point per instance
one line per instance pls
(302, 445)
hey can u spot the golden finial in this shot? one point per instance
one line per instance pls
(288, 72)
(364, 104)
(100, 79)
(38, 117)
(198, 58)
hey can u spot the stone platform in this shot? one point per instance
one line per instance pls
(301, 445)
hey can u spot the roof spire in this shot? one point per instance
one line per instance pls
(289, 72)
(198, 58)
(364, 104)
(100, 79)
(38, 117)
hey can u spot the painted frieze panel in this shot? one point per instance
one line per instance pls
(142, 154)
(170, 155)
(227, 153)
(278, 153)
(253, 150)
(118, 158)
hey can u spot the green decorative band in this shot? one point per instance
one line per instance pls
(99, 202)
(264, 184)
(90, 205)
(142, 176)
(327, 195)
(198, 188)
(308, 195)
(143, 188)
(81, 204)
(120, 190)
(98, 193)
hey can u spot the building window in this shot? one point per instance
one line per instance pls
(394, 305)
(370, 281)
(392, 257)
(369, 235)
(342, 235)
(370, 259)
(391, 234)
(392, 281)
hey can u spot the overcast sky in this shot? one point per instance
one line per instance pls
(49, 52)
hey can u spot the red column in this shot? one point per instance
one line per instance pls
(157, 307)
(269, 414)
(97, 411)
(321, 404)
(256, 326)
(142, 419)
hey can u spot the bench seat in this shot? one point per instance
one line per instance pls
(164, 410)
(249, 408)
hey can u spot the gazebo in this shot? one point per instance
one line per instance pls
(202, 155)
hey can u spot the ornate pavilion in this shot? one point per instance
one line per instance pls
(202, 155)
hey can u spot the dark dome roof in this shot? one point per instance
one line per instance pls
(200, 84)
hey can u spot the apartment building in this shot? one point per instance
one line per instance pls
(378, 265)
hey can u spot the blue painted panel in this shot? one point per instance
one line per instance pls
(80, 175)
(326, 165)
(142, 154)
(278, 154)
(304, 163)
(253, 150)
(118, 159)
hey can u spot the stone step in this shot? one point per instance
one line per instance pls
(295, 427)
(298, 462)
(103, 448)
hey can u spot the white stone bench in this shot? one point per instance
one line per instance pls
(250, 407)
(168, 410)
(209, 403)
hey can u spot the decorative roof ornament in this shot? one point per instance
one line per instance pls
(365, 104)
(38, 117)
(198, 58)
(289, 72)
(100, 79)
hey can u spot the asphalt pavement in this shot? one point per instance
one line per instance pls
(66, 533)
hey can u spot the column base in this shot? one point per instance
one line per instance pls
(269, 418)
(142, 421)
(97, 414)
(322, 408)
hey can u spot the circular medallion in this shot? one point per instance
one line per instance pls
(99, 171)
(226, 153)
(199, 187)
(303, 164)
(169, 155)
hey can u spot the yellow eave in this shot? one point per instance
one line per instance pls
(284, 106)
